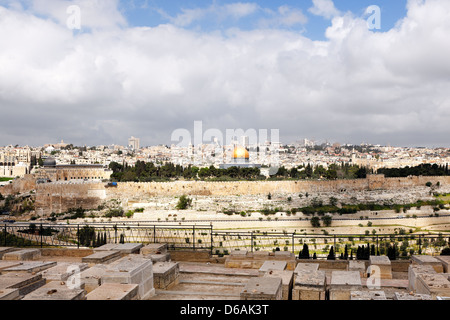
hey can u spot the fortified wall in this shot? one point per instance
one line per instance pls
(59, 197)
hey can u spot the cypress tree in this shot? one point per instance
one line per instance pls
(304, 254)
(314, 256)
(99, 241)
(372, 250)
(331, 255)
(346, 252)
(366, 252)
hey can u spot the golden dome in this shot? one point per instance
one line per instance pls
(240, 153)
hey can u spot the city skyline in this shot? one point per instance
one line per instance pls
(147, 68)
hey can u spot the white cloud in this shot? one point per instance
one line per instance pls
(94, 13)
(324, 8)
(236, 10)
(108, 84)
(284, 16)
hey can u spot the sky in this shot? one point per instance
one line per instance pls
(98, 72)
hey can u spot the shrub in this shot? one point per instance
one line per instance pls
(184, 202)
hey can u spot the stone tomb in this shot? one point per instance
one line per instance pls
(92, 277)
(157, 252)
(24, 254)
(9, 294)
(159, 257)
(254, 260)
(165, 274)
(154, 248)
(63, 270)
(114, 291)
(123, 248)
(272, 265)
(56, 290)
(30, 267)
(8, 264)
(24, 282)
(305, 267)
(4, 250)
(356, 265)
(343, 283)
(102, 257)
(380, 266)
(367, 295)
(132, 269)
(409, 296)
(286, 277)
(445, 260)
(309, 285)
(414, 270)
(262, 288)
(432, 261)
(434, 285)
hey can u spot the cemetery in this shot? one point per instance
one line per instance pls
(134, 271)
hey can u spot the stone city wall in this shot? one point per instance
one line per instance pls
(58, 197)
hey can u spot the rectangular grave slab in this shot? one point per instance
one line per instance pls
(165, 274)
(162, 257)
(114, 291)
(260, 255)
(342, 283)
(102, 257)
(9, 294)
(124, 248)
(413, 296)
(24, 282)
(414, 270)
(305, 267)
(262, 288)
(238, 253)
(380, 266)
(30, 267)
(56, 291)
(8, 264)
(4, 250)
(432, 261)
(106, 247)
(129, 248)
(132, 269)
(367, 295)
(63, 270)
(92, 277)
(286, 277)
(434, 285)
(272, 265)
(22, 255)
(154, 248)
(356, 265)
(445, 261)
(309, 285)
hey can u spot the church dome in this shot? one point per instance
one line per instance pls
(49, 162)
(240, 153)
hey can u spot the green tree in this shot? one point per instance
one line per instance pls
(315, 222)
(327, 219)
(184, 202)
(304, 254)
(331, 254)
